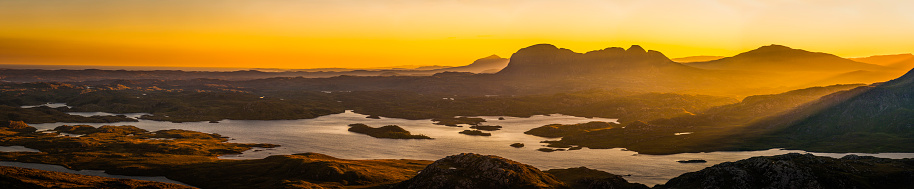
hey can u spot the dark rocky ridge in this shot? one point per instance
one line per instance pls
(801, 171)
(469, 170)
(582, 177)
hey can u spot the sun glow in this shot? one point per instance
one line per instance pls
(358, 34)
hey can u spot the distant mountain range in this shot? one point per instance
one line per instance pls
(545, 68)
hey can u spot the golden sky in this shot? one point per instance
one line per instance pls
(377, 33)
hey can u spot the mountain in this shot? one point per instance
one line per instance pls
(691, 59)
(866, 119)
(547, 67)
(489, 64)
(778, 58)
(548, 60)
(884, 60)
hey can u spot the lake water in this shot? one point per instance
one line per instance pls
(16, 149)
(329, 135)
(49, 104)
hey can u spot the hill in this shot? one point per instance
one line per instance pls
(778, 58)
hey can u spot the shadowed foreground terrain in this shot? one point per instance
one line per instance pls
(191, 157)
(801, 171)
(15, 177)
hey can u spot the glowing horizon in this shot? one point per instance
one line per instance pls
(364, 34)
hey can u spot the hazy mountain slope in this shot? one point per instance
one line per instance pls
(489, 64)
(867, 119)
(898, 62)
(691, 59)
(884, 60)
(777, 58)
(859, 76)
(717, 128)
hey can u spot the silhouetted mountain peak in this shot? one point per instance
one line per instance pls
(547, 60)
(774, 47)
(777, 50)
(656, 54)
(491, 57)
(635, 49)
(779, 58)
(539, 47)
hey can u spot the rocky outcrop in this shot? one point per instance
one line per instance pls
(585, 178)
(470, 170)
(18, 126)
(801, 171)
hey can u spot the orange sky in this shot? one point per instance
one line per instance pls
(375, 33)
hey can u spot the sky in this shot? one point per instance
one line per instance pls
(377, 33)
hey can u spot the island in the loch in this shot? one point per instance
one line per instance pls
(475, 133)
(389, 131)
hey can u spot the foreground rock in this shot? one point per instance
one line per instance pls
(18, 126)
(15, 177)
(390, 131)
(582, 177)
(469, 170)
(307, 170)
(801, 171)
